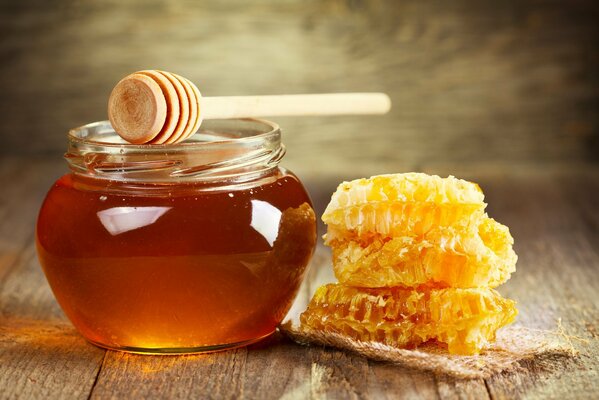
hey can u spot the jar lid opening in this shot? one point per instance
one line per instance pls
(230, 150)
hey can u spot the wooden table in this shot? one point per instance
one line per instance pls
(553, 217)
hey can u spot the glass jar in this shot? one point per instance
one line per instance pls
(190, 247)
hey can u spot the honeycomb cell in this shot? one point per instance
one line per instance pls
(464, 319)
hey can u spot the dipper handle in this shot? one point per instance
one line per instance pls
(159, 107)
(295, 104)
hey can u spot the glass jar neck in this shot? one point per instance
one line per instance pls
(222, 152)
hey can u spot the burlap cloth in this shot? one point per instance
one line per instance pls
(514, 344)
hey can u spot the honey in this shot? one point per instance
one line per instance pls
(184, 266)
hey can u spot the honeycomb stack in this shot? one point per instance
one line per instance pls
(417, 259)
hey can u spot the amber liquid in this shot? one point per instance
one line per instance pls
(178, 269)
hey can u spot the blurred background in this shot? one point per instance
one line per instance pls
(475, 85)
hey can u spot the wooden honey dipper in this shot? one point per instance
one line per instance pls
(158, 107)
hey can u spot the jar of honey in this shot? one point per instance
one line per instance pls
(190, 247)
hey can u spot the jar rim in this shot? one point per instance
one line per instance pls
(75, 134)
(222, 150)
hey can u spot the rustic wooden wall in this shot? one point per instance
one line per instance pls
(489, 84)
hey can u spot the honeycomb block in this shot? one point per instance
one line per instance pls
(463, 319)
(392, 205)
(399, 219)
(444, 257)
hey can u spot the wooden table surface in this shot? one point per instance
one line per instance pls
(553, 217)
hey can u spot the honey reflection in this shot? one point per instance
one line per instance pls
(265, 220)
(118, 220)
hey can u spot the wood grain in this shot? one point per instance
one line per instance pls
(552, 216)
(558, 243)
(41, 354)
(17, 211)
(45, 359)
(507, 82)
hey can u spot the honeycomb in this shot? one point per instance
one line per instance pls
(417, 258)
(443, 257)
(411, 187)
(392, 205)
(416, 229)
(465, 320)
(398, 218)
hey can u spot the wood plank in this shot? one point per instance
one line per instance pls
(556, 279)
(274, 368)
(277, 369)
(45, 359)
(449, 388)
(388, 381)
(23, 288)
(41, 354)
(175, 377)
(336, 374)
(24, 185)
